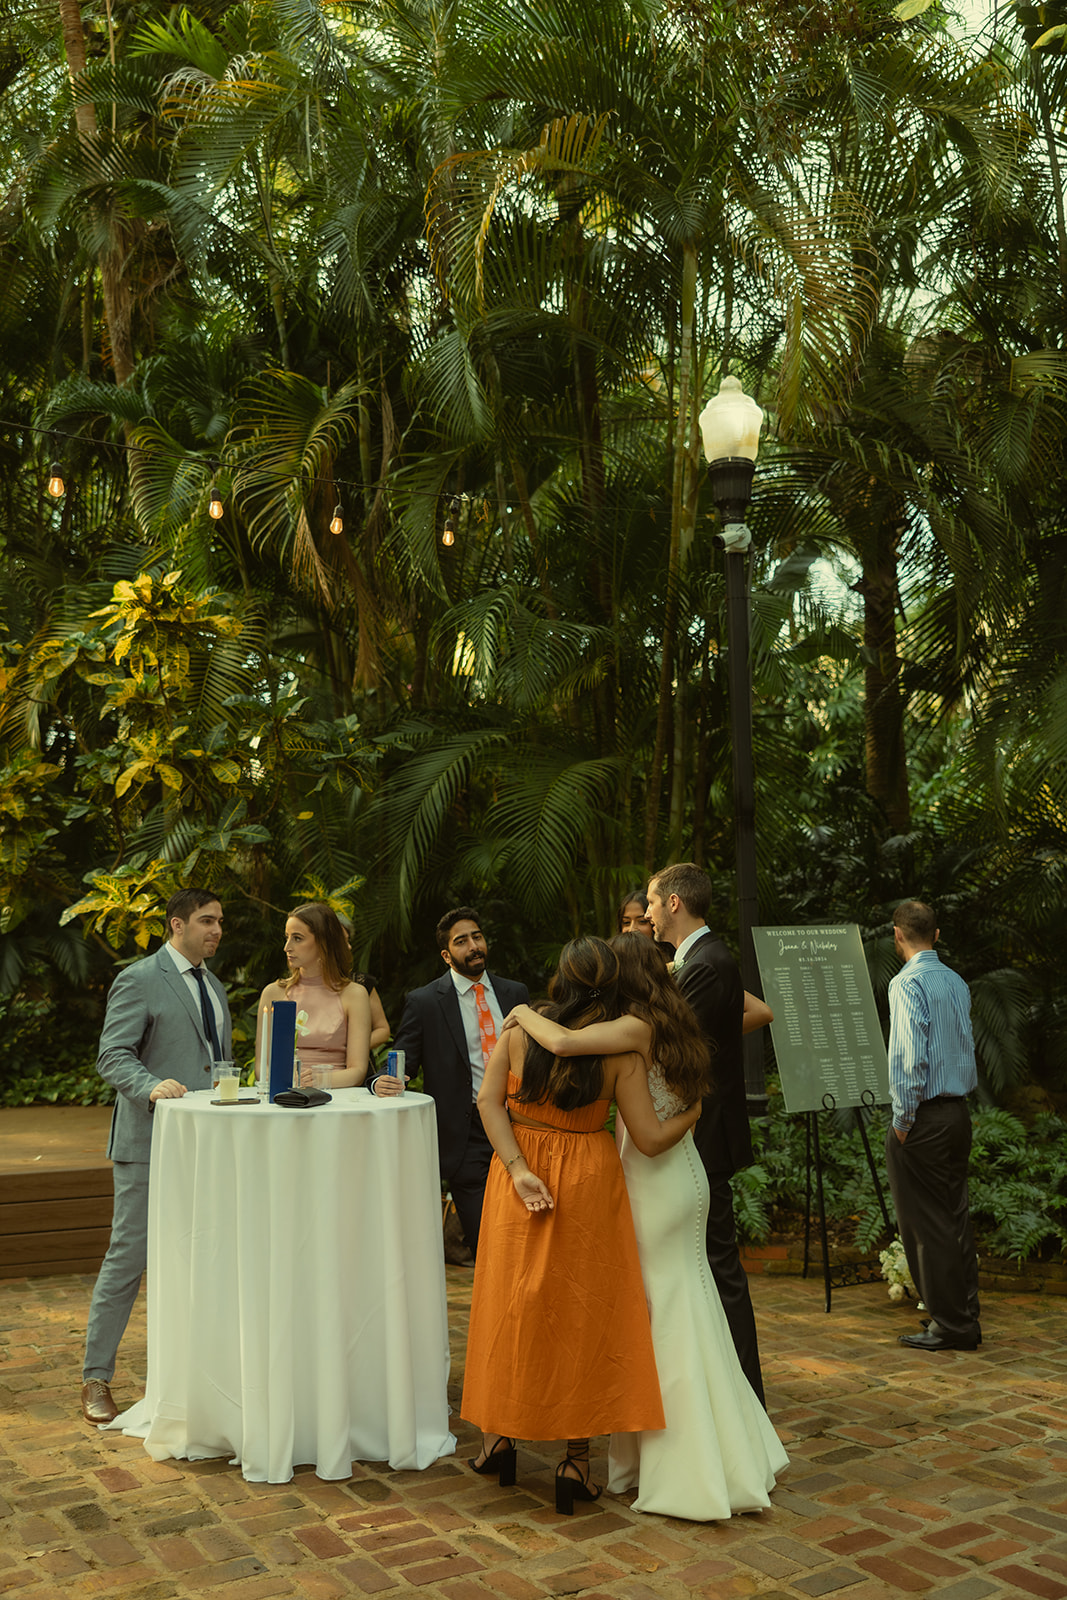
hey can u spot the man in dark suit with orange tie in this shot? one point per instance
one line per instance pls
(679, 898)
(449, 1028)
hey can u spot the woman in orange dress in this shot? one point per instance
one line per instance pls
(559, 1345)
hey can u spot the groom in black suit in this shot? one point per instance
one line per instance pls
(448, 1028)
(708, 976)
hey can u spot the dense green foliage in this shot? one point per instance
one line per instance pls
(1018, 1182)
(50, 1054)
(485, 263)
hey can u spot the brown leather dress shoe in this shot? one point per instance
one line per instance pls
(97, 1404)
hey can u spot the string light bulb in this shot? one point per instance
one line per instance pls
(56, 486)
(215, 507)
(449, 535)
(337, 521)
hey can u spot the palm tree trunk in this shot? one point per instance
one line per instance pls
(118, 310)
(674, 559)
(700, 794)
(679, 766)
(533, 533)
(587, 393)
(1052, 151)
(70, 16)
(420, 668)
(883, 709)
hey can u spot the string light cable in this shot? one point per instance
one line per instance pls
(57, 484)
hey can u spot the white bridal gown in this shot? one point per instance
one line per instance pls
(718, 1453)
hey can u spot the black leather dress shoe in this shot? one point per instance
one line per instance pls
(97, 1404)
(937, 1341)
(926, 1322)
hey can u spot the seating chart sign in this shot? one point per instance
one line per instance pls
(826, 1030)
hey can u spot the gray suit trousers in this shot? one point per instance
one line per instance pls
(119, 1278)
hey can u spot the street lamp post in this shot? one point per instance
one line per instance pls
(730, 426)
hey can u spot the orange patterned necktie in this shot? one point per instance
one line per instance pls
(486, 1025)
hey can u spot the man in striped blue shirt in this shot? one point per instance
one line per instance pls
(928, 1147)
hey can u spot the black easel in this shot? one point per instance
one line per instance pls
(853, 1272)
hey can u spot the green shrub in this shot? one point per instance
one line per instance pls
(771, 1195)
(50, 1054)
(1018, 1180)
(1019, 1184)
(75, 1088)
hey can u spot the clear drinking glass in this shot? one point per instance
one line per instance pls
(217, 1068)
(228, 1084)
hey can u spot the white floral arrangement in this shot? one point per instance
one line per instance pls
(895, 1272)
(302, 1026)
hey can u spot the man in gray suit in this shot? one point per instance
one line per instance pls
(167, 1019)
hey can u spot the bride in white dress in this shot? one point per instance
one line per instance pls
(718, 1453)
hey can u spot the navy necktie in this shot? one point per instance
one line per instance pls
(207, 1011)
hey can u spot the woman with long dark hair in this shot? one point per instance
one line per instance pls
(718, 1453)
(632, 914)
(559, 1345)
(632, 917)
(333, 1013)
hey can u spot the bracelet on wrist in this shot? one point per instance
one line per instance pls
(509, 1164)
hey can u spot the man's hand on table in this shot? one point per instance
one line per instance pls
(167, 1089)
(387, 1084)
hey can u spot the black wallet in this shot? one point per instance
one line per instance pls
(302, 1099)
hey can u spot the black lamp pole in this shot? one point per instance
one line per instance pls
(731, 490)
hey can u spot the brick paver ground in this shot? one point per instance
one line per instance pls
(911, 1474)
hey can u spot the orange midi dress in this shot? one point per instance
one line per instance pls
(559, 1344)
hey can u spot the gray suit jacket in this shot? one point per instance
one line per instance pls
(153, 1030)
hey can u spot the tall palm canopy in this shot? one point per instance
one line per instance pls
(390, 267)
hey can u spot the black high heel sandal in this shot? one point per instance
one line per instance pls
(500, 1462)
(568, 1490)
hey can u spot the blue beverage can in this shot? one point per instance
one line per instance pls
(394, 1064)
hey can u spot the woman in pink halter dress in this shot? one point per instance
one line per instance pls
(333, 1013)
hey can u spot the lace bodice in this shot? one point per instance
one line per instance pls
(665, 1101)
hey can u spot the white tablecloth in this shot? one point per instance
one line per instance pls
(296, 1288)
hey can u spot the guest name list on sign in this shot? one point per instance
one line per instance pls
(826, 1031)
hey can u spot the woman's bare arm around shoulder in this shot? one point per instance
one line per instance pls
(598, 1039)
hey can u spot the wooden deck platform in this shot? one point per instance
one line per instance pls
(55, 1189)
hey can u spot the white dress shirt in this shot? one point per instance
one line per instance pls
(185, 967)
(468, 1010)
(687, 944)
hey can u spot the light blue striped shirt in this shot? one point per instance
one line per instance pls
(931, 1048)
